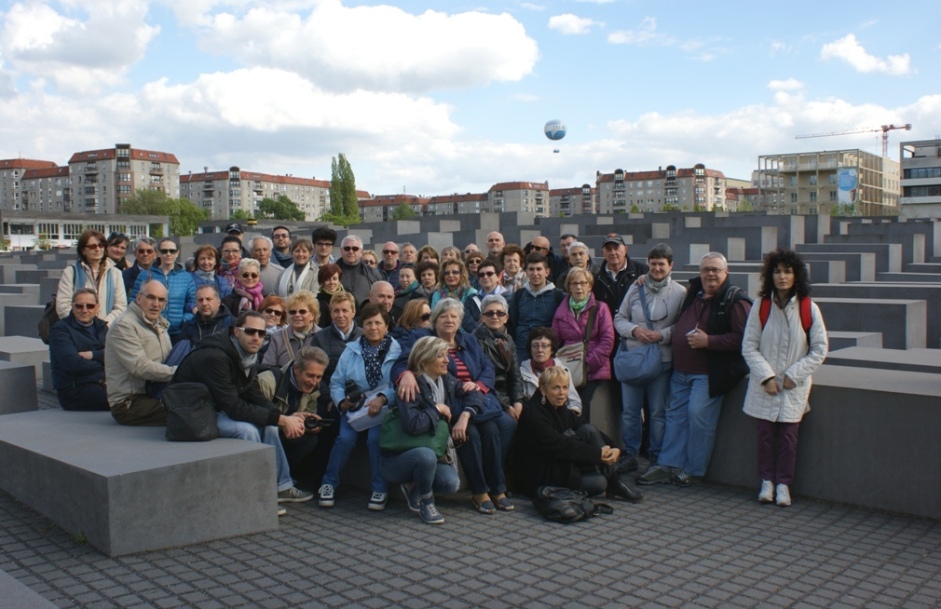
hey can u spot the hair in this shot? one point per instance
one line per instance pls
(444, 305)
(535, 258)
(308, 299)
(305, 243)
(405, 245)
(244, 315)
(485, 263)
(494, 298)
(421, 267)
(464, 281)
(274, 300)
(209, 286)
(352, 239)
(509, 250)
(408, 266)
(372, 254)
(323, 233)
(789, 259)
(541, 332)
(244, 263)
(424, 351)
(80, 291)
(474, 255)
(569, 236)
(411, 314)
(83, 241)
(166, 240)
(144, 285)
(207, 249)
(553, 373)
(280, 226)
(714, 256)
(342, 297)
(251, 242)
(327, 271)
(661, 251)
(452, 252)
(578, 272)
(370, 310)
(427, 249)
(230, 239)
(374, 288)
(117, 238)
(144, 239)
(310, 355)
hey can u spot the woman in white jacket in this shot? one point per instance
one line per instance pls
(785, 342)
(95, 271)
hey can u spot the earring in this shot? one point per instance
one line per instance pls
(543, 400)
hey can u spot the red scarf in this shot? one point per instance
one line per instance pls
(538, 368)
(254, 295)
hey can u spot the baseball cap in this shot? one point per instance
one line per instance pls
(613, 238)
(235, 227)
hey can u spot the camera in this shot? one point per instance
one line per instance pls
(312, 424)
(354, 396)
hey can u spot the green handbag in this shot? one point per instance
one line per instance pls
(393, 438)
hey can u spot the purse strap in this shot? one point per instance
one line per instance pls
(590, 324)
(643, 303)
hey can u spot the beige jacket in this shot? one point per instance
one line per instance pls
(268, 384)
(67, 287)
(134, 353)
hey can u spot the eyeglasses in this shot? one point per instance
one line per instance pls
(711, 270)
(425, 316)
(350, 248)
(473, 261)
(165, 252)
(390, 251)
(270, 311)
(579, 283)
(250, 275)
(494, 314)
(540, 346)
(231, 252)
(486, 273)
(451, 273)
(83, 307)
(143, 252)
(254, 331)
(94, 246)
(323, 244)
(537, 248)
(298, 312)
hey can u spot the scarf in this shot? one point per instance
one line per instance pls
(253, 295)
(437, 388)
(538, 368)
(206, 276)
(292, 277)
(654, 287)
(371, 360)
(514, 282)
(577, 306)
(443, 292)
(247, 360)
(408, 290)
(339, 289)
(501, 345)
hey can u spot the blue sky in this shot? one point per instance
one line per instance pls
(434, 98)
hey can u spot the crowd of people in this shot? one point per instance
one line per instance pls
(506, 347)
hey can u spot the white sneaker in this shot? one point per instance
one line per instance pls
(377, 502)
(783, 495)
(766, 495)
(325, 496)
(281, 511)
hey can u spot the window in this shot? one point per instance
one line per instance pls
(832, 196)
(793, 197)
(813, 180)
(921, 173)
(122, 177)
(793, 181)
(813, 197)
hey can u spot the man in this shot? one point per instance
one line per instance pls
(260, 249)
(296, 388)
(323, 239)
(235, 229)
(469, 249)
(495, 245)
(533, 305)
(135, 349)
(489, 279)
(212, 316)
(227, 365)
(617, 274)
(707, 364)
(281, 242)
(541, 245)
(358, 276)
(383, 294)
(390, 265)
(409, 254)
(564, 242)
(145, 252)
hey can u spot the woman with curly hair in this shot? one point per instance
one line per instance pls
(456, 284)
(511, 260)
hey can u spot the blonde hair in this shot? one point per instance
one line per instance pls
(553, 374)
(307, 298)
(577, 272)
(424, 351)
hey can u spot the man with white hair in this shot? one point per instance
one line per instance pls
(358, 276)
(260, 248)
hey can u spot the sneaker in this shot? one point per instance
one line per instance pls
(783, 495)
(377, 502)
(325, 496)
(655, 474)
(681, 478)
(281, 511)
(411, 498)
(294, 495)
(626, 464)
(767, 492)
(429, 513)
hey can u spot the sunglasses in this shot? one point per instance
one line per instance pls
(83, 307)
(494, 314)
(486, 274)
(254, 331)
(537, 248)
(350, 248)
(167, 251)
(390, 252)
(250, 275)
(94, 246)
(116, 235)
(452, 273)
(298, 312)
(425, 316)
(270, 311)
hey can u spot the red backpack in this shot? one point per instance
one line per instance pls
(803, 303)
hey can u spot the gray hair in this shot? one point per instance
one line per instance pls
(494, 299)
(351, 239)
(425, 350)
(715, 256)
(244, 263)
(310, 355)
(445, 305)
(144, 239)
(577, 245)
(251, 243)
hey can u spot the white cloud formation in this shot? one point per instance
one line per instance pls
(78, 55)
(849, 50)
(790, 84)
(377, 47)
(533, 7)
(646, 33)
(572, 24)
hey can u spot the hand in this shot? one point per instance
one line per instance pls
(408, 386)
(609, 456)
(697, 339)
(85, 354)
(375, 405)
(444, 411)
(292, 427)
(788, 383)
(771, 387)
(640, 280)
(516, 410)
(310, 415)
(469, 386)
(459, 433)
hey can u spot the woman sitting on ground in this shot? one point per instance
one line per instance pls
(498, 345)
(77, 355)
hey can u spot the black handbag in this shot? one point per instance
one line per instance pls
(560, 504)
(49, 318)
(191, 416)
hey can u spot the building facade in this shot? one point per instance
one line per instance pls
(693, 189)
(446, 205)
(46, 190)
(27, 230)
(568, 202)
(12, 172)
(222, 193)
(380, 208)
(532, 197)
(921, 178)
(819, 182)
(101, 180)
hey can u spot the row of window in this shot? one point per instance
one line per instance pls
(919, 173)
(922, 191)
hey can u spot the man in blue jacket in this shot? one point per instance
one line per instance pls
(535, 304)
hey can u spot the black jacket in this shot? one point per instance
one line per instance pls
(612, 291)
(508, 382)
(196, 329)
(331, 341)
(66, 339)
(358, 279)
(421, 415)
(215, 362)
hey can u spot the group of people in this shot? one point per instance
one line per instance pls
(306, 351)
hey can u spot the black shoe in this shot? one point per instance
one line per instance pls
(621, 490)
(626, 463)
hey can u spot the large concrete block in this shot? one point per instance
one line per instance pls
(888, 255)
(47, 384)
(912, 360)
(17, 595)
(24, 350)
(15, 300)
(901, 322)
(23, 318)
(48, 288)
(17, 288)
(34, 275)
(17, 387)
(843, 340)
(127, 489)
(858, 266)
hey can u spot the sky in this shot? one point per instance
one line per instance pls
(433, 98)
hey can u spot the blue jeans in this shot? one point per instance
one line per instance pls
(482, 455)
(420, 465)
(657, 392)
(692, 417)
(345, 442)
(229, 428)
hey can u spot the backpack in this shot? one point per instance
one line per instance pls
(49, 315)
(176, 356)
(560, 504)
(803, 303)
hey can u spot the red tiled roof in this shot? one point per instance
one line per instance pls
(46, 172)
(26, 164)
(253, 176)
(519, 186)
(561, 192)
(465, 198)
(111, 153)
(631, 176)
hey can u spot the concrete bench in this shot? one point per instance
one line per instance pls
(13, 300)
(17, 387)
(24, 350)
(127, 489)
(912, 360)
(901, 322)
(888, 255)
(17, 595)
(842, 340)
(864, 428)
(22, 319)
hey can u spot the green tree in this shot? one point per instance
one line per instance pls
(403, 211)
(239, 214)
(184, 215)
(280, 208)
(42, 242)
(635, 209)
(343, 201)
(745, 206)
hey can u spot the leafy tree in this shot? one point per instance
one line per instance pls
(745, 206)
(343, 201)
(635, 209)
(184, 215)
(403, 211)
(239, 214)
(281, 208)
(42, 242)
(344, 221)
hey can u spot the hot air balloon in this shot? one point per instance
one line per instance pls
(555, 130)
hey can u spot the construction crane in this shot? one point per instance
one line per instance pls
(884, 129)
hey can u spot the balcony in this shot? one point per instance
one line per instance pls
(91, 168)
(156, 170)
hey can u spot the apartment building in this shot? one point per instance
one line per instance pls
(568, 202)
(818, 182)
(532, 197)
(46, 190)
(222, 193)
(381, 207)
(921, 178)
(445, 205)
(693, 189)
(11, 178)
(101, 180)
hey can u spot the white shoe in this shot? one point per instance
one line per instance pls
(325, 496)
(783, 495)
(377, 502)
(766, 495)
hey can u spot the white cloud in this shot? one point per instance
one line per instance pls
(525, 97)
(849, 50)
(790, 84)
(78, 55)
(377, 47)
(572, 24)
(533, 7)
(645, 34)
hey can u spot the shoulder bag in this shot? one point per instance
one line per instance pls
(394, 438)
(573, 355)
(191, 416)
(641, 365)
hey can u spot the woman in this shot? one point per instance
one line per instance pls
(303, 312)
(451, 253)
(407, 290)
(275, 312)
(419, 470)
(207, 266)
(427, 273)
(575, 314)
(556, 448)
(300, 274)
(231, 253)
(364, 367)
(77, 355)
(117, 249)
(455, 284)
(415, 316)
(247, 290)
(664, 300)
(541, 347)
(511, 259)
(95, 271)
(499, 346)
(781, 355)
(181, 291)
(328, 276)
(485, 437)
(428, 254)
(370, 258)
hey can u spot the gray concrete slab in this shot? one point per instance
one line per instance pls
(20, 288)
(857, 267)
(25, 318)
(912, 360)
(901, 322)
(16, 595)
(888, 255)
(24, 350)
(17, 387)
(843, 340)
(924, 267)
(15, 300)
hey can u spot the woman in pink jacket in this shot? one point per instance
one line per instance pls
(571, 321)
